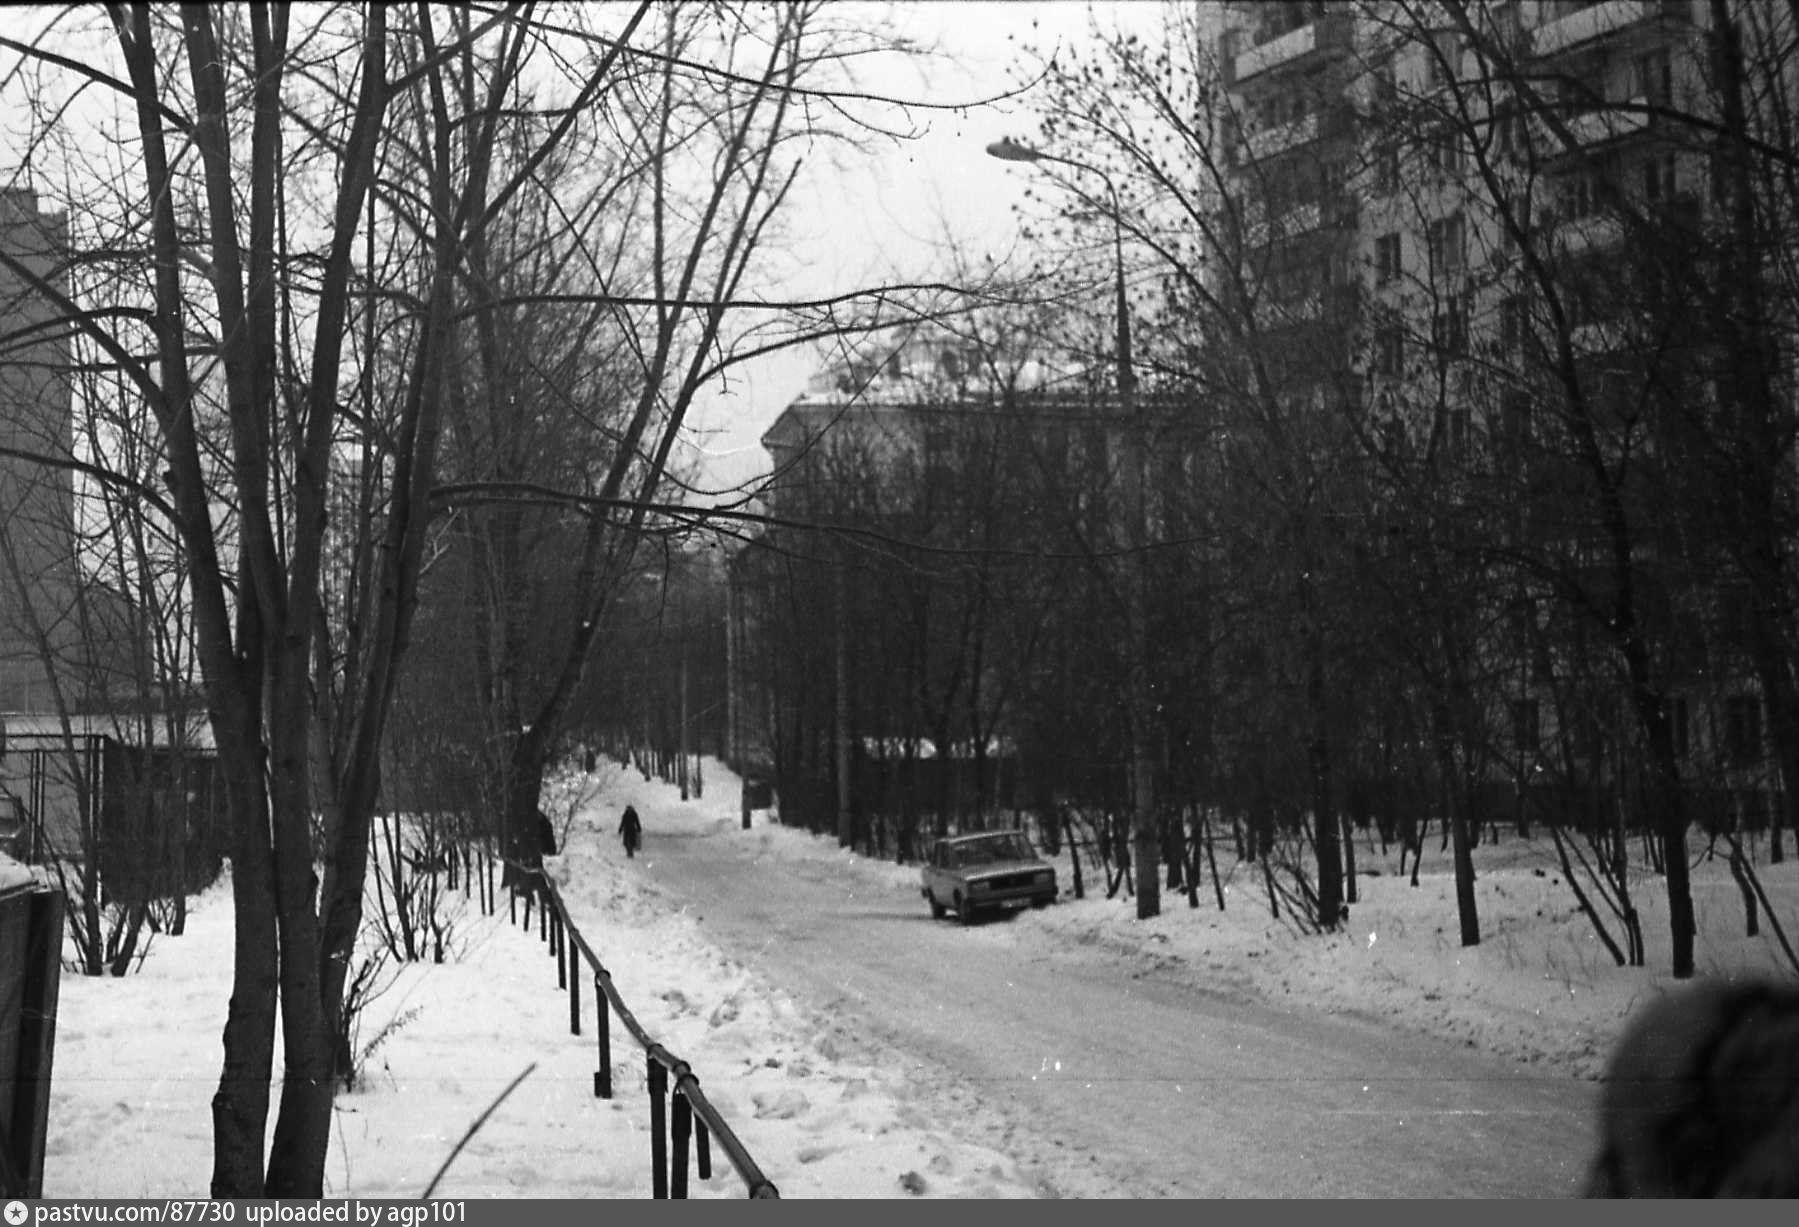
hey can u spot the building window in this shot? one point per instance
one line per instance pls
(1526, 731)
(1511, 323)
(1658, 179)
(1510, 132)
(1590, 189)
(1386, 259)
(1386, 84)
(1386, 169)
(1445, 239)
(1446, 151)
(1456, 426)
(1653, 78)
(1442, 56)
(1449, 328)
(1742, 730)
(1389, 348)
(1514, 417)
(1588, 294)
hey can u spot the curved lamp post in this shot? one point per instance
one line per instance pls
(1146, 844)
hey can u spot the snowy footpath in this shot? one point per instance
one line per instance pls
(137, 1059)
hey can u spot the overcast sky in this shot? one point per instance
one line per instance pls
(858, 226)
(890, 213)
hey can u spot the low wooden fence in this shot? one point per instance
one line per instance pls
(680, 1114)
(31, 923)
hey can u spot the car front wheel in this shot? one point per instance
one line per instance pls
(964, 913)
(937, 909)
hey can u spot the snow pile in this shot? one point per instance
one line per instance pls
(13, 875)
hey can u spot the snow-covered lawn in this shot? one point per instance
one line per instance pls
(136, 1058)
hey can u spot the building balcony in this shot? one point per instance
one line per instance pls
(1326, 37)
(1263, 143)
(1595, 22)
(1598, 232)
(1280, 139)
(1312, 222)
(1610, 124)
(1592, 130)
(1332, 308)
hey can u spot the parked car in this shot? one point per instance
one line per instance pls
(994, 871)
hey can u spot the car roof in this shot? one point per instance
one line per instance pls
(965, 839)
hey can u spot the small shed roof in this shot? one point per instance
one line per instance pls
(15, 877)
(127, 730)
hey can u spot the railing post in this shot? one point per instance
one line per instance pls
(512, 903)
(574, 998)
(658, 1079)
(560, 941)
(683, 1129)
(702, 1146)
(543, 921)
(602, 1008)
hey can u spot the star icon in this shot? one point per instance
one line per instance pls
(16, 1213)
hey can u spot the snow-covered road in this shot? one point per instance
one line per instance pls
(1108, 1073)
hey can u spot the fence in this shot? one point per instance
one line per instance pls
(30, 948)
(679, 1114)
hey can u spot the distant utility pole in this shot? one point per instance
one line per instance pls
(1145, 837)
(733, 698)
(844, 834)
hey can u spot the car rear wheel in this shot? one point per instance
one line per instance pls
(937, 909)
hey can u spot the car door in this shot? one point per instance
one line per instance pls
(933, 875)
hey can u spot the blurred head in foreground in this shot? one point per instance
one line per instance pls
(1701, 1098)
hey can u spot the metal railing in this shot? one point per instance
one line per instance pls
(679, 1114)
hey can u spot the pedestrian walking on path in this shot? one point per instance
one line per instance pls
(631, 828)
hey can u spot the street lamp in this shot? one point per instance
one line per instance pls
(1144, 835)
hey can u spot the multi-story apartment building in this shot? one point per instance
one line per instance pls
(1523, 198)
(905, 481)
(36, 500)
(70, 777)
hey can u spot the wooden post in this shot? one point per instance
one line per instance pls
(559, 939)
(658, 1078)
(34, 951)
(602, 1008)
(574, 999)
(683, 1130)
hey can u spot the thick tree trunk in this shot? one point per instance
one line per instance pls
(1467, 909)
(1324, 826)
(296, 1166)
(1455, 818)
(240, 1105)
(1667, 809)
(1324, 808)
(523, 794)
